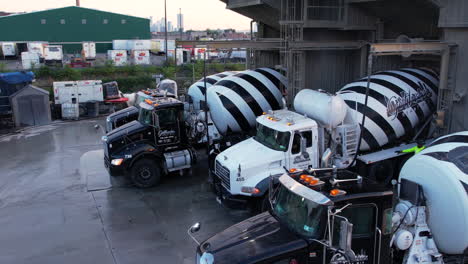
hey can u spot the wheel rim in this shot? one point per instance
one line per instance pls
(145, 173)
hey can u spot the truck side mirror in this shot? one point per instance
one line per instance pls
(326, 158)
(346, 234)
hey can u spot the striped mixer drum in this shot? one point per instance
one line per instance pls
(197, 90)
(398, 102)
(237, 100)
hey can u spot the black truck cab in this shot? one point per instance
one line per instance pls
(130, 113)
(151, 146)
(320, 217)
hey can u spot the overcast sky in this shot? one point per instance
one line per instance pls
(197, 14)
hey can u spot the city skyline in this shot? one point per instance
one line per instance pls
(212, 14)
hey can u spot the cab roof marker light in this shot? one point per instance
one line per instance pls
(148, 101)
(337, 192)
(292, 170)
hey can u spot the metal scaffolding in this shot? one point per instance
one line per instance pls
(292, 32)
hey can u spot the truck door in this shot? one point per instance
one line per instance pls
(364, 240)
(169, 131)
(298, 159)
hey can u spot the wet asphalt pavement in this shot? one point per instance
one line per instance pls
(58, 204)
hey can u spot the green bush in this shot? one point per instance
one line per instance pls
(3, 67)
(133, 83)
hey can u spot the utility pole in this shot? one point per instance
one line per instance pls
(165, 27)
(180, 23)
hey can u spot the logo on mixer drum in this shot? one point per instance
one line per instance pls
(397, 105)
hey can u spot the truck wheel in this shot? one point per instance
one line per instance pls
(145, 173)
(381, 172)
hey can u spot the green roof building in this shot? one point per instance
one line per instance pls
(70, 25)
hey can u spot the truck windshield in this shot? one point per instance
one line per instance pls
(145, 116)
(271, 138)
(302, 216)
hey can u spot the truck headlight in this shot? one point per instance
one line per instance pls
(251, 190)
(117, 162)
(104, 138)
(206, 258)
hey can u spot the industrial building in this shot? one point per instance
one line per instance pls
(324, 44)
(69, 26)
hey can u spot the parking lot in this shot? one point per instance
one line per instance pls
(58, 204)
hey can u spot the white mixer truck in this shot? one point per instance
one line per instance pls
(324, 131)
(330, 216)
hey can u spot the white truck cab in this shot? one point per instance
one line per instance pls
(284, 139)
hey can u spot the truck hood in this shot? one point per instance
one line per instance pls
(249, 153)
(123, 113)
(251, 241)
(127, 129)
(256, 162)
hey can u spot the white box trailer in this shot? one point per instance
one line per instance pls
(89, 50)
(29, 60)
(140, 57)
(37, 47)
(120, 44)
(9, 49)
(53, 54)
(78, 91)
(118, 57)
(139, 44)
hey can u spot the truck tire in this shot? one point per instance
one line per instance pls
(145, 173)
(381, 172)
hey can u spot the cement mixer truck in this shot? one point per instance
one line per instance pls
(335, 216)
(158, 143)
(324, 131)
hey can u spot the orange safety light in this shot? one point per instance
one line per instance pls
(148, 101)
(313, 182)
(303, 177)
(264, 113)
(292, 170)
(289, 124)
(336, 192)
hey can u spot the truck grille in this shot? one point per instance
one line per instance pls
(223, 174)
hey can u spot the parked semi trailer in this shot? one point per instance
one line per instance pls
(324, 131)
(336, 216)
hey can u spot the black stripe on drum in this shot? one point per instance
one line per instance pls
(369, 138)
(404, 120)
(430, 72)
(202, 89)
(221, 75)
(235, 112)
(210, 80)
(396, 89)
(450, 139)
(376, 118)
(244, 94)
(270, 77)
(415, 85)
(269, 96)
(421, 77)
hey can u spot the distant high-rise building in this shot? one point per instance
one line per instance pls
(169, 26)
(180, 22)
